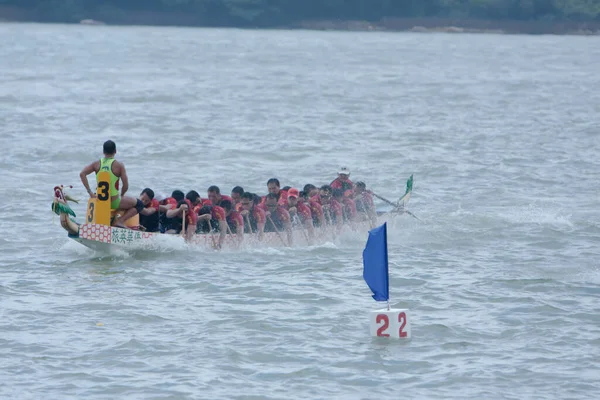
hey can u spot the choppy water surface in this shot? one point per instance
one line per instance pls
(502, 278)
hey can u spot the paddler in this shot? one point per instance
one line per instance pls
(331, 208)
(315, 208)
(300, 211)
(343, 180)
(278, 217)
(364, 202)
(210, 217)
(273, 187)
(130, 205)
(234, 219)
(348, 205)
(253, 214)
(310, 190)
(215, 197)
(236, 197)
(170, 225)
(149, 216)
(190, 217)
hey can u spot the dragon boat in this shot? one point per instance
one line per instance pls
(96, 232)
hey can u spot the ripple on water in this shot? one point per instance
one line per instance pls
(500, 269)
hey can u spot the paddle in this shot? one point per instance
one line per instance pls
(259, 234)
(329, 219)
(212, 236)
(299, 222)
(238, 237)
(384, 199)
(249, 225)
(183, 223)
(397, 206)
(413, 215)
(277, 231)
(409, 185)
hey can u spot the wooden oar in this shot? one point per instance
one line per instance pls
(412, 215)
(302, 228)
(397, 206)
(277, 231)
(326, 226)
(239, 240)
(386, 200)
(329, 220)
(183, 223)
(250, 228)
(212, 236)
(249, 224)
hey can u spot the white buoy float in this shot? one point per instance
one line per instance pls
(388, 322)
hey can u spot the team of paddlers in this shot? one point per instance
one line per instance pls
(340, 202)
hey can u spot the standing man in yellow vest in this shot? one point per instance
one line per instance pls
(116, 169)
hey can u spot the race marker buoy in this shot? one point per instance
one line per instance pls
(388, 322)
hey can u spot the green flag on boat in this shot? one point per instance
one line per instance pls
(59, 208)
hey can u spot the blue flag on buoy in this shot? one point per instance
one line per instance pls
(375, 263)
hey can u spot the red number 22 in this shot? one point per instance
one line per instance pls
(386, 323)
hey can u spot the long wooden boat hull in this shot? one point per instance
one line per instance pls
(105, 238)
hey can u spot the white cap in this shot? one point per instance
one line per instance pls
(344, 170)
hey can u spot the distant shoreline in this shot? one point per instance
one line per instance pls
(450, 25)
(425, 25)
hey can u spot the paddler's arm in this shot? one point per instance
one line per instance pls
(164, 207)
(177, 211)
(124, 179)
(148, 211)
(88, 169)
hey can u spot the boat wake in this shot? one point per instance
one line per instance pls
(535, 214)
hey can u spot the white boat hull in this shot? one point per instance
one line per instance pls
(106, 238)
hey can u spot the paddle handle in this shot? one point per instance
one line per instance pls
(212, 236)
(384, 200)
(277, 231)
